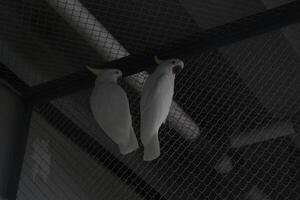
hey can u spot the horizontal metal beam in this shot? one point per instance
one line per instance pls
(10, 80)
(220, 36)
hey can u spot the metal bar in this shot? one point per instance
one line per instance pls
(10, 80)
(18, 87)
(84, 22)
(229, 33)
(262, 134)
(19, 153)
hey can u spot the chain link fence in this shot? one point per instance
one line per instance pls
(233, 128)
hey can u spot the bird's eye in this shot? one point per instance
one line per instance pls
(173, 62)
(117, 72)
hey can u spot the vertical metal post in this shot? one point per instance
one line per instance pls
(20, 143)
(15, 116)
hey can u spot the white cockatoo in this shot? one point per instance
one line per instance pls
(110, 107)
(155, 104)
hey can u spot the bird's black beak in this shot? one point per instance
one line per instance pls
(177, 69)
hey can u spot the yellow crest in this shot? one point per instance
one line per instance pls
(96, 72)
(156, 59)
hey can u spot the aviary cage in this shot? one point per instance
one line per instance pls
(233, 128)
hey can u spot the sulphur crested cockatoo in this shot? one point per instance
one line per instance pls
(110, 107)
(155, 104)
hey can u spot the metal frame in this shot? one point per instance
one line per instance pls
(238, 30)
(18, 87)
(19, 153)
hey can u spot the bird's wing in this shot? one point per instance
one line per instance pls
(111, 109)
(146, 89)
(117, 103)
(158, 98)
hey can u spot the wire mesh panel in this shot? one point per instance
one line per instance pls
(55, 168)
(244, 148)
(59, 37)
(233, 127)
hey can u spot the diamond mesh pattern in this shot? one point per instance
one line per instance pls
(233, 128)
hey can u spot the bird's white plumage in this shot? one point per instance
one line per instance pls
(155, 105)
(110, 107)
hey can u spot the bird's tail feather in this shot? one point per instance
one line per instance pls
(131, 145)
(152, 149)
